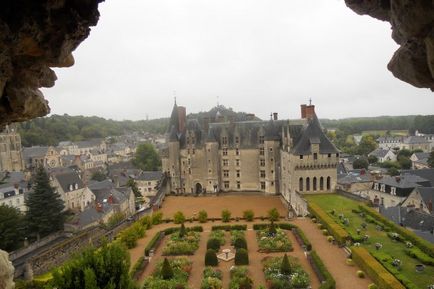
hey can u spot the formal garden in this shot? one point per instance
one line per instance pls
(375, 240)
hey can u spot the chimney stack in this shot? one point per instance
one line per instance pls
(275, 116)
(250, 116)
(307, 111)
(182, 115)
(303, 110)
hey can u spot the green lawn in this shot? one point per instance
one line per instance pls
(395, 249)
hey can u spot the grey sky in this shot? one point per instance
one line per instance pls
(258, 56)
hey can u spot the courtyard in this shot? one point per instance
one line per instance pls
(332, 256)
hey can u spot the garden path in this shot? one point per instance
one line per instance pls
(333, 257)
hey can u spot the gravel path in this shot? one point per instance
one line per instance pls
(333, 257)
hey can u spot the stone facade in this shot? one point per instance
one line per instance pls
(274, 157)
(11, 157)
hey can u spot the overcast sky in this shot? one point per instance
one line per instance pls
(257, 56)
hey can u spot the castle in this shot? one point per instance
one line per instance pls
(274, 156)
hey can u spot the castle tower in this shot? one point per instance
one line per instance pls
(11, 157)
(213, 161)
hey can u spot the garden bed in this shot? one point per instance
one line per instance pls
(212, 279)
(276, 241)
(279, 276)
(182, 245)
(180, 267)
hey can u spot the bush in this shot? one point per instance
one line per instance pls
(202, 216)
(273, 215)
(226, 216)
(349, 262)
(285, 267)
(214, 244)
(240, 243)
(283, 273)
(241, 257)
(360, 274)
(153, 244)
(229, 227)
(330, 238)
(276, 243)
(178, 217)
(372, 286)
(211, 258)
(138, 268)
(240, 279)
(235, 234)
(249, 215)
(374, 269)
(157, 218)
(326, 279)
(212, 279)
(415, 252)
(219, 235)
(186, 245)
(130, 235)
(336, 230)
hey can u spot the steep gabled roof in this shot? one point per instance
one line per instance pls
(313, 134)
(174, 119)
(68, 179)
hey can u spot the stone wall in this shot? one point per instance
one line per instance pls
(412, 24)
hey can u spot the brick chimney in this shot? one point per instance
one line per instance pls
(110, 199)
(275, 116)
(250, 116)
(182, 115)
(303, 110)
(362, 172)
(310, 111)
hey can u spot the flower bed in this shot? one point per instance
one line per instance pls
(293, 276)
(237, 234)
(212, 279)
(277, 242)
(218, 235)
(182, 245)
(240, 278)
(181, 268)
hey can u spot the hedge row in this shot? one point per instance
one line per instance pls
(229, 227)
(421, 256)
(423, 245)
(301, 237)
(324, 276)
(283, 226)
(335, 229)
(374, 269)
(139, 267)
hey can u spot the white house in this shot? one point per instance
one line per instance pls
(383, 155)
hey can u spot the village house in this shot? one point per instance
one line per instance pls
(45, 156)
(383, 155)
(419, 161)
(421, 198)
(13, 190)
(148, 181)
(390, 142)
(412, 143)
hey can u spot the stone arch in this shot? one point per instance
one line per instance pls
(300, 184)
(328, 183)
(307, 184)
(198, 188)
(314, 185)
(321, 183)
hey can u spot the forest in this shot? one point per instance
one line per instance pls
(55, 128)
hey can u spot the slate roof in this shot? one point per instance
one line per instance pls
(415, 140)
(354, 178)
(379, 153)
(313, 134)
(341, 170)
(34, 151)
(150, 175)
(427, 194)
(416, 220)
(89, 143)
(390, 139)
(427, 174)
(421, 156)
(69, 178)
(404, 181)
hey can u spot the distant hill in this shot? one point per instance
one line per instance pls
(53, 129)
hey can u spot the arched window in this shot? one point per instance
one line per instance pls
(328, 183)
(314, 184)
(300, 185)
(321, 184)
(307, 184)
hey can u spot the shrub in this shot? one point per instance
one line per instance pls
(229, 227)
(241, 257)
(235, 234)
(219, 235)
(285, 267)
(330, 238)
(360, 274)
(178, 217)
(240, 243)
(182, 231)
(182, 246)
(325, 232)
(166, 270)
(155, 241)
(138, 268)
(277, 243)
(202, 216)
(214, 244)
(349, 262)
(374, 269)
(249, 215)
(372, 286)
(211, 279)
(326, 279)
(211, 258)
(415, 252)
(157, 218)
(240, 279)
(272, 229)
(226, 216)
(273, 215)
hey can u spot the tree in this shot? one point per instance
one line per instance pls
(431, 160)
(285, 267)
(105, 267)
(202, 216)
(166, 270)
(11, 228)
(147, 158)
(98, 176)
(360, 163)
(393, 171)
(372, 159)
(367, 145)
(240, 243)
(226, 216)
(182, 231)
(44, 215)
(273, 215)
(404, 162)
(178, 217)
(404, 153)
(249, 215)
(133, 185)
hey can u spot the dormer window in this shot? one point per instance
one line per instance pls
(70, 187)
(393, 191)
(76, 186)
(301, 157)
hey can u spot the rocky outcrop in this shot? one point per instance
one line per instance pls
(34, 36)
(413, 29)
(6, 272)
